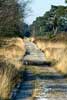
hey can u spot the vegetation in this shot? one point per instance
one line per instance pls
(55, 50)
(11, 54)
(52, 22)
(12, 49)
(66, 1)
(12, 13)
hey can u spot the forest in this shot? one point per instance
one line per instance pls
(53, 21)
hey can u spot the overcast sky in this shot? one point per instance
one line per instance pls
(39, 7)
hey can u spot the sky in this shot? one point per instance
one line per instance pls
(39, 7)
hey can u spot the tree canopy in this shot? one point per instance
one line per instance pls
(54, 20)
(66, 1)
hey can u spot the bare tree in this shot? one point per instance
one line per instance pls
(11, 16)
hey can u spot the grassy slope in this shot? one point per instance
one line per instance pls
(12, 51)
(55, 49)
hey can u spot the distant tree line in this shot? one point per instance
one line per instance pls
(53, 21)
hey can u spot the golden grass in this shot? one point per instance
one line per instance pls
(7, 73)
(54, 51)
(12, 51)
(51, 50)
(62, 63)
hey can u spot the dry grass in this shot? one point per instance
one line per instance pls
(62, 63)
(55, 50)
(12, 51)
(8, 74)
(59, 37)
(52, 50)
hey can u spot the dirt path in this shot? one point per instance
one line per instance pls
(33, 55)
(45, 84)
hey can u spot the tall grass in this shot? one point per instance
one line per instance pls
(8, 74)
(11, 53)
(55, 50)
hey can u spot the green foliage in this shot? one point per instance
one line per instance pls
(50, 35)
(66, 1)
(52, 21)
